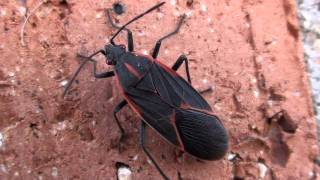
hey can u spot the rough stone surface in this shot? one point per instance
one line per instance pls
(248, 52)
(309, 13)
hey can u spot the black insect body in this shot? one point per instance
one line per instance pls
(162, 98)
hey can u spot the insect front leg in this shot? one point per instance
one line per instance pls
(118, 107)
(95, 74)
(179, 62)
(129, 37)
(158, 44)
(146, 151)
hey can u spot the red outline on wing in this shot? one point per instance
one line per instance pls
(173, 122)
(133, 71)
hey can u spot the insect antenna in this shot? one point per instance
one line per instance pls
(79, 69)
(135, 18)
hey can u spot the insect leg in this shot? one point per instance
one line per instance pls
(179, 62)
(115, 111)
(87, 58)
(142, 138)
(129, 37)
(158, 44)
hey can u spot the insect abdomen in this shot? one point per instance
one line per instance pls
(202, 134)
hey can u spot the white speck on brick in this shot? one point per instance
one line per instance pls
(270, 103)
(217, 107)
(160, 15)
(166, 51)
(259, 58)
(22, 10)
(231, 156)
(54, 172)
(254, 80)
(16, 173)
(13, 92)
(296, 94)
(173, 2)
(145, 52)
(211, 30)
(204, 81)
(63, 83)
(1, 140)
(61, 126)
(256, 93)
(3, 168)
(93, 123)
(189, 13)
(135, 157)
(176, 13)
(124, 173)
(203, 8)
(99, 15)
(3, 12)
(11, 74)
(261, 152)
(149, 161)
(311, 174)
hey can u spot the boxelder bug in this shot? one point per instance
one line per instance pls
(161, 97)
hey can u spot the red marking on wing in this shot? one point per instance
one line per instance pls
(184, 105)
(166, 68)
(173, 122)
(133, 70)
(130, 103)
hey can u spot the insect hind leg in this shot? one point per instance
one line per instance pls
(118, 107)
(178, 64)
(129, 36)
(146, 151)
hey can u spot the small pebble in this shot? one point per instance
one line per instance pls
(262, 170)
(124, 173)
